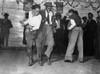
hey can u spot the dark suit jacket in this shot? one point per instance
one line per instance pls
(42, 12)
(6, 25)
(91, 27)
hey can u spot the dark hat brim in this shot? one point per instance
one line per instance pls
(6, 14)
(48, 4)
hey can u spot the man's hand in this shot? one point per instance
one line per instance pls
(22, 23)
(30, 27)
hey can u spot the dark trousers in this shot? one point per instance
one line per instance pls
(59, 36)
(30, 39)
(37, 40)
(4, 38)
(89, 49)
(1, 41)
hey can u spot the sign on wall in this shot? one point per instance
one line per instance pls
(59, 7)
(27, 5)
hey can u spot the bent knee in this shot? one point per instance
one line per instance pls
(51, 43)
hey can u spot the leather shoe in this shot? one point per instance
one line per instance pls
(69, 61)
(48, 62)
(40, 63)
(81, 61)
(31, 62)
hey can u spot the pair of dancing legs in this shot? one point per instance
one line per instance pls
(45, 37)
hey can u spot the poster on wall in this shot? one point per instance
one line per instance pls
(27, 5)
(59, 7)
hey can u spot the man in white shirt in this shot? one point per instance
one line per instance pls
(33, 24)
(75, 36)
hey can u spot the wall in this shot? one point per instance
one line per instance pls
(16, 14)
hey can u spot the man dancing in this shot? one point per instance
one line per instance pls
(33, 24)
(75, 35)
(48, 22)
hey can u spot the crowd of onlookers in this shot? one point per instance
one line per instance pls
(91, 34)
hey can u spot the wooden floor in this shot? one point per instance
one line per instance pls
(15, 61)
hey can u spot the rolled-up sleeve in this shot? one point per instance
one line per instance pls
(73, 24)
(26, 22)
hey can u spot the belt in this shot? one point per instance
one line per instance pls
(29, 30)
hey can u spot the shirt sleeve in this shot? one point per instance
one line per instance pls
(30, 17)
(30, 14)
(73, 24)
(38, 23)
(26, 22)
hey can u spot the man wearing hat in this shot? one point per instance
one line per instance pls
(5, 28)
(48, 25)
(32, 27)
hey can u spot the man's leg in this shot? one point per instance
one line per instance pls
(29, 40)
(6, 39)
(1, 42)
(50, 43)
(40, 45)
(80, 45)
(72, 40)
(3, 39)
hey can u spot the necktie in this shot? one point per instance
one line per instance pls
(48, 18)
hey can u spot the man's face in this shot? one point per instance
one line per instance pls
(36, 11)
(58, 18)
(48, 8)
(6, 17)
(33, 11)
(69, 14)
(89, 16)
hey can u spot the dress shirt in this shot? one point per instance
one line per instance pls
(73, 24)
(58, 24)
(30, 14)
(50, 17)
(34, 21)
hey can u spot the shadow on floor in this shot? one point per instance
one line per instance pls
(54, 58)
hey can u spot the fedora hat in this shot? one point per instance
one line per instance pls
(6, 14)
(48, 4)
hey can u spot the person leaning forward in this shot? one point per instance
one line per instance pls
(32, 26)
(75, 36)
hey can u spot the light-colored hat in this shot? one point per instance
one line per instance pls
(48, 4)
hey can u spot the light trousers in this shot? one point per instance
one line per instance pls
(49, 40)
(75, 36)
